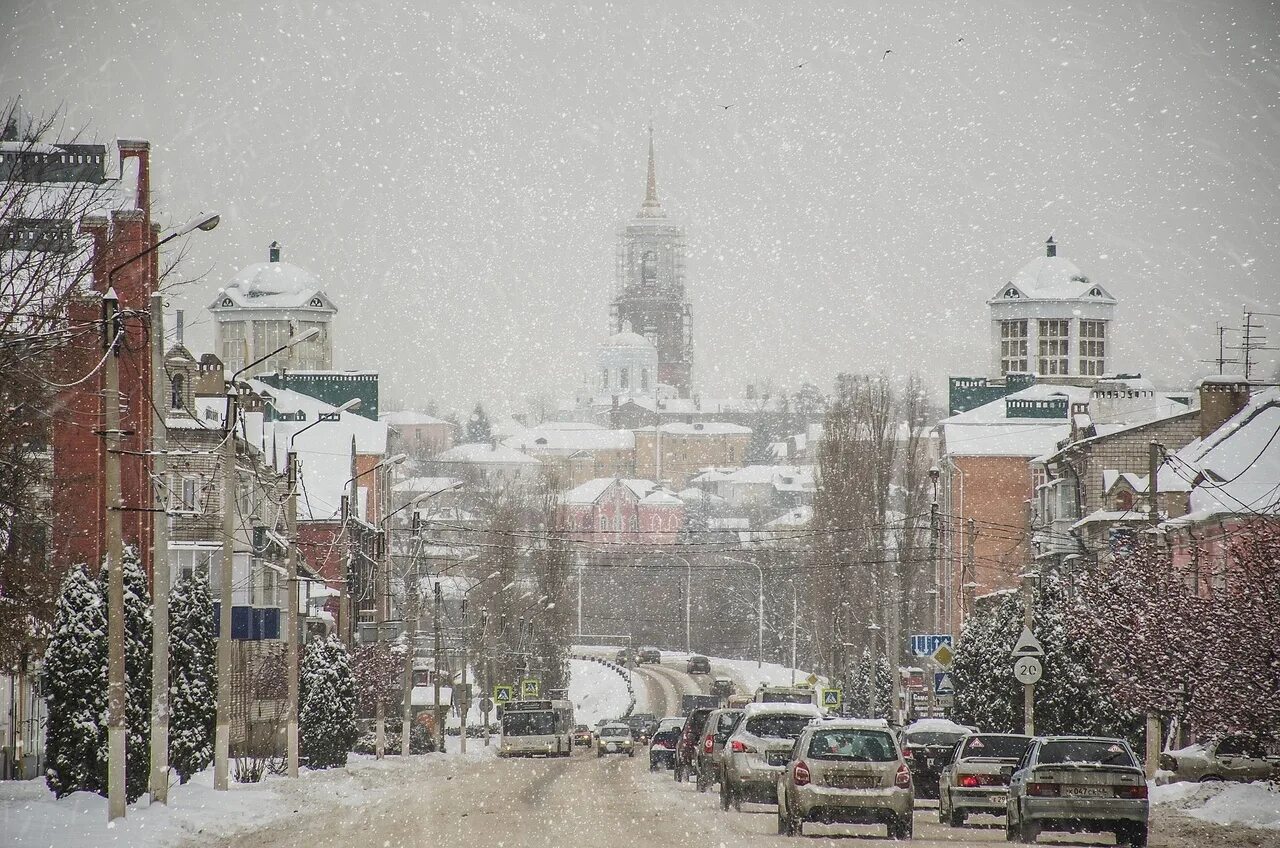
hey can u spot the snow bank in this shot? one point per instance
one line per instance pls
(1248, 804)
(30, 817)
(749, 678)
(597, 692)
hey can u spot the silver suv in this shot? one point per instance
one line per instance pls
(977, 778)
(715, 733)
(1078, 783)
(848, 771)
(758, 750)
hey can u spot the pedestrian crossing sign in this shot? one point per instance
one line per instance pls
(530, 688)
(832, 698)
(501, 694)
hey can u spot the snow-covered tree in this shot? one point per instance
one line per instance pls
(193, 677)
(378, 669)
(860, 682)
(986, 694)
(326, 718)
(478, 427)
(75, 688)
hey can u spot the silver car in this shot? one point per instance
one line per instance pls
(715, 733)
(1075, 784)
(1228, 758)
(977, 778)
(847, 771)
(758, 750)
(616, 739)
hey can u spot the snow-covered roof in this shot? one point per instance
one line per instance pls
(409, 418)
(1110, 477)
(693, 494)
(987, 430)
(629, 340)
(701, 428)
(485, 453)
(1054, 278)
(1110, 516)
(798, 517)
(273, 285)
(590, 491)
(779, 708)
(1236, 470)
(418, 485)
(660, 497)
(563, 441)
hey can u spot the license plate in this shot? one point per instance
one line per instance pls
(996, 799)
(1087, 792)
(776, 758)
(851, 781)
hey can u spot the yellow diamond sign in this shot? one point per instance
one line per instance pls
(944, 655)
(813, 679)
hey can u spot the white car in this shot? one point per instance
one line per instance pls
(616, 739)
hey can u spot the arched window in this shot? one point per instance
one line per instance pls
(649, 268)
(176, 391)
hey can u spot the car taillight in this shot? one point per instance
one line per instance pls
(739, 747)
(800, 774)
(903, 779)
(1044, 790)
(1139, 791)
(969, 781)
(708, 744)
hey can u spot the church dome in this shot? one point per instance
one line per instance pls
(628, 339)
(1049, 273)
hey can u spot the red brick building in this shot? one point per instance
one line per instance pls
(615, 509)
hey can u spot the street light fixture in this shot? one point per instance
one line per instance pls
(759, 610)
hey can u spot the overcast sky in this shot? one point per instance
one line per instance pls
(454, 173)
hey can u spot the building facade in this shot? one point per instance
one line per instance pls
(650, 297)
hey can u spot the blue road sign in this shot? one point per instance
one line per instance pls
(924, 644)
(942, 684)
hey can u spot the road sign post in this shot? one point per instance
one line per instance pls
(1027, 670)
(530, 688)
(832, 699)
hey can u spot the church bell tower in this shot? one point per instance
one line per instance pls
(650, 294)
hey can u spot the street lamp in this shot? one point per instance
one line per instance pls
(222, 733)
(293, 628)
(465, 704)
(759, 609)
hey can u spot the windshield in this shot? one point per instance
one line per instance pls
(1084, 751)
(862, 746)
(924, 737)
(529, 724)
(617, 730)
(997, 747)
(787, 698)
(778, 725)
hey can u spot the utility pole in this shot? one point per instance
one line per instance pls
(795, 624)
(222, 733)
(1028, 689)
(159, 781)
(970, 544)
(410, 649)
(379, 617)
(934, 474)
(1154, 731)
(464, 703)
(580, 570)
(435, 626)
(116, 693)
(293, 624)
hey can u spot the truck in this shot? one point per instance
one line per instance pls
(785, 695)
(688, 703)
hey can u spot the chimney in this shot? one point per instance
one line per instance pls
(273, 252)
(178, 325)
(1221, 397)
(1050, 248)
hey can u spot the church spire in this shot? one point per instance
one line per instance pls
(651, 208)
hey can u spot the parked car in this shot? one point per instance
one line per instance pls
(847, 771)
(623, 657)
(642, 726)
(615, 738)
(758, 749)
(1232, 757)
(722, 687)
(690, 736)
(582, 736)
(929, 745)
(662, 748)
(697, 665)
(1078, 784)
(720, 723)
(649, 655)
(977, 778)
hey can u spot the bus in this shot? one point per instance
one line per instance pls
(537, 728)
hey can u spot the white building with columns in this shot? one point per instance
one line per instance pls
(1052, 321)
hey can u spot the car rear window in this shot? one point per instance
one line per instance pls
(786, 698)
(778, 725)
(728, 721)
(667, 737)
(1084, 751)
(859, 746)
(997, 747)
(933, 737)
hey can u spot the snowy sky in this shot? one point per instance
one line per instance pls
(455, 172)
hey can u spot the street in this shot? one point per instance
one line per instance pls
(610, 802)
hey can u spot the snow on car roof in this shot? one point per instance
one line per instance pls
(775, 707)
(935, 725)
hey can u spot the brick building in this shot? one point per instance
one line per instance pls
(675, 453)
(614, 510)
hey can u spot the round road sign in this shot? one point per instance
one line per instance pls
(1027, 669)
(486, 705)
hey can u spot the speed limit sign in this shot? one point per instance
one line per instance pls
(1027, 670)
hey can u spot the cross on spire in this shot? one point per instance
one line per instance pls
(651, 208)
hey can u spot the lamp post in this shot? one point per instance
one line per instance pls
(465, 705)
(222, 731)
(158, 779)
(293, 623)
(759, 609)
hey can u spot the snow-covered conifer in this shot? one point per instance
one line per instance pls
(326, 718)
(193, 677)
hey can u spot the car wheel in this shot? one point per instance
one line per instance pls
(1211, 778)
(737, 801)
(1134, 836)
(631, 753)
(1027, 832)
(704, 780)
(1009, 834)
(955, 818)
(599, 753)
(901, 828)
(726, 795)
(653, 764)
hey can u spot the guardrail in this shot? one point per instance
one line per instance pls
(618, 670)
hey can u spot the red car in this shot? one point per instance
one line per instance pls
(687, 747)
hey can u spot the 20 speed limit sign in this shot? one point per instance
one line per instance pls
(1027, 670)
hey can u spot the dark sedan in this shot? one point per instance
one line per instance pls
(662, 749)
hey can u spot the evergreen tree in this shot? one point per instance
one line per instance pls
(760, 448)
(326, 719)
(478, 427)
(193, 677)
(857, 697)
(986, 693)
(75, 689)
(137, 669)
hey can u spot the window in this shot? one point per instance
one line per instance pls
(624, 378)
(187, 562)
(604, 378)
(1093, 348)
(233, 345)
(1013, 346)
(644, 379)
(176, 392)
(188, 494)
(1054, 337)
(603, 523)
(649, 268)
